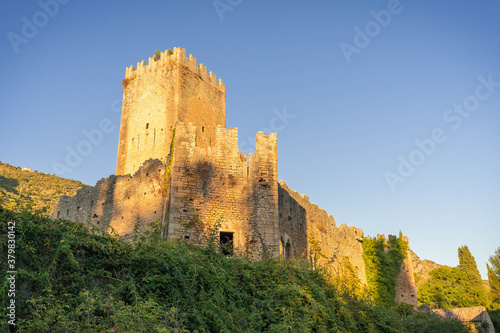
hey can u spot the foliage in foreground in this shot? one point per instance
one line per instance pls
(71, 279)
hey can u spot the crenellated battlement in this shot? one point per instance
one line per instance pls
(168, 61)
(226, 147)
(157, 95)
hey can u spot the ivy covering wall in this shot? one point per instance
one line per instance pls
(383, 259)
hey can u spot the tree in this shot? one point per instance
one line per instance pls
(443, 289)
(475, 293)
(452, 287)
(494, 281)
(495, 262)
(157, 55)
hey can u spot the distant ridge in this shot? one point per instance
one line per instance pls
(422, 269)
(20, 187)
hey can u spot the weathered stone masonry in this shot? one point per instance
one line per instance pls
(178, 165)
(224, 189)
(119, 202)
(336, 242)
(158, 95)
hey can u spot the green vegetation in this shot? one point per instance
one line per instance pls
(461, 286)
(168, 170)
(383, 261)
(455, 287)
(157, 54)
(494, 280)
(35, 189)
(71, 279)
(476, 293)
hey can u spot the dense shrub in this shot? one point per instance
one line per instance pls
(71, 279)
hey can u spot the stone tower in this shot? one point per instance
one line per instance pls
(159, 95)
(406, 291)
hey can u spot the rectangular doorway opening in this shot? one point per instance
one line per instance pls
(226, 243)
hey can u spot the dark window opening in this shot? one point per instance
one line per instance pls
(147, 125)
(226, 243)
(58, 214)
(202, 129)
(186, 237)
(95, 216)
(288, 250)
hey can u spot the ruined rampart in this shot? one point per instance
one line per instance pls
(326, 243)
(119, 202)
(220, 188)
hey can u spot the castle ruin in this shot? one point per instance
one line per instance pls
(179, 166)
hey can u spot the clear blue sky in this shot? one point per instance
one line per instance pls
(363, 81)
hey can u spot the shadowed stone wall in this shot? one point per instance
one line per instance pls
(119, 202)
(320, 228)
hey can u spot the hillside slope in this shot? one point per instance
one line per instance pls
(421, 269)
(36, 189)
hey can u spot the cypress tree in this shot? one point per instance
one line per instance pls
(494, 280)
(474, 292)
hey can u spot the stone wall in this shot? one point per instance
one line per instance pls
(221, 189)
(335, 243)
(406, 292)
(120, 202)
(159, 95)
(292, 226)
(198, 191)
